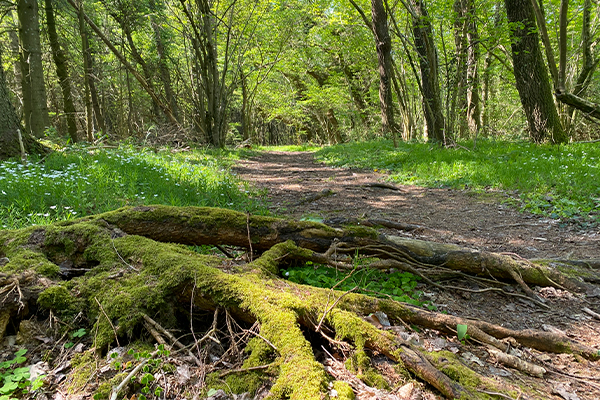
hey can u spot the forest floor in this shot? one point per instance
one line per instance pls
(478, 220)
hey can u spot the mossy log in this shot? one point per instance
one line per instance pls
(134, 265)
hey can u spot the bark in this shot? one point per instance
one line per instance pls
(165, 74)
(130, 275)
(212, 94)
(35, 108)
(85, 48)
(17, 86)
(428, 62)
(62, 71)
(383, 43)
(10, 126)
(531, 75)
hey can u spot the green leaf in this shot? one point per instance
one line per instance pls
(9, 387)
(21, 352)
(79, 333)
(38, 382)
(69, 345)
(461, 331)
(211, 392)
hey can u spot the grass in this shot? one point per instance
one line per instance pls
(79, 182)
(561, 182)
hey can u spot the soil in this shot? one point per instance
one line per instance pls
(478, 220)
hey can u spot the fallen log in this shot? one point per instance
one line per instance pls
(132, 275)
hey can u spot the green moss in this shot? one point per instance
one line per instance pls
(449, 364)
(260, 353)
(360, 231)
(60, 300)
(103, 391)
(248, 382)
(83, 367)
(344, 391)
(360, 364)
(26, 259)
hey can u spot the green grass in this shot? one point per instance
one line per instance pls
(80, 182)
(556, 181)
(304, 147)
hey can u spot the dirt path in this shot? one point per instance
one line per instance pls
(478, 220)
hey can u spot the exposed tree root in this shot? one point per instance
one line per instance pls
(131, 275)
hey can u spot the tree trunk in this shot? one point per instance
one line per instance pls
(62, 71)
(383, 42)
(35, 108)
(467, 72)
(165, 74)
(531, 75)
(212, 94)
(428, 60)
(89, 115)
(17, 85)
(12, 137)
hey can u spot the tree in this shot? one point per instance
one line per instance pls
(428, 62)
(14, 141)
(62, 71)
(35, 109)
(467, 73)
(531, 75)
(383, 42)
(125, 267)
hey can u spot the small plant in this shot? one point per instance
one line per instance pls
(399, 286)
(145, 365)
(15, 379)
(81, 332)
(461, 333)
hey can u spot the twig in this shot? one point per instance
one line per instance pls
(382, 185)
(315, 197)
(327, 311)
(172, 338)
(23, 155)
(222, 250)
(235, 371)
(213, 329)
(129, 376)
(108, 319)
(265, 339)
(122, 259)
(497, 394)
(249, 239)
(590, 312)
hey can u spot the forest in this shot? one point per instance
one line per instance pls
(301, 199)
(291, 72)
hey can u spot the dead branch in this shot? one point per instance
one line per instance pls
(315, 197)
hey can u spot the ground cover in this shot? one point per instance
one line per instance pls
(81, 181)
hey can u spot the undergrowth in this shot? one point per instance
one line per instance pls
(560, 182)
(396, 285)
(82, 181)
